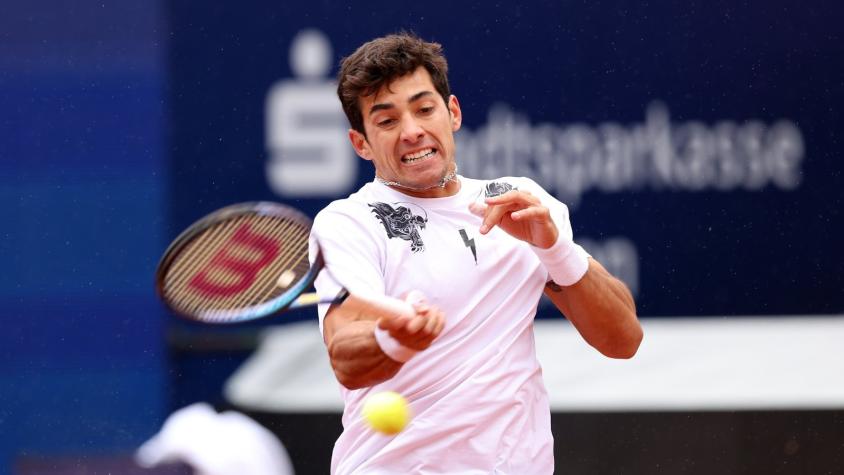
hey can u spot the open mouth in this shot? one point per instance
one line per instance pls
(418, 155)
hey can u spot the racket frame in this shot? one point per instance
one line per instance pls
(288, 299)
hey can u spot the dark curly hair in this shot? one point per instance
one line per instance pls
(381, 61)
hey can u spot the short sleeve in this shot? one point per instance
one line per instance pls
(559, 211)
(352, 254)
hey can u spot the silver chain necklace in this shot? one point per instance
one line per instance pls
(444, 181)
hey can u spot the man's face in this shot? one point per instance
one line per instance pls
(410, 134)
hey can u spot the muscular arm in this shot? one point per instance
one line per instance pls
(349, 333)
(598, 305)
(602, 310)
(355, 355)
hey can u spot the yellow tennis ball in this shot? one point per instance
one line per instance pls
(386, 412)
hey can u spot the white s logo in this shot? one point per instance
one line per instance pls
(306, 130)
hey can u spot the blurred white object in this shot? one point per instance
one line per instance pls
(289, 371)
(684, 364)
(227, 443)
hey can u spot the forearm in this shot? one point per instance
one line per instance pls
(357, 359)
(602, 310)
(599, 305)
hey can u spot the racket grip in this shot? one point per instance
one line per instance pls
(379, 306)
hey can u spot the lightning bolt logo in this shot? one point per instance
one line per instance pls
(470, 243)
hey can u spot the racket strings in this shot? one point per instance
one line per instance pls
(197, 256)
(293, 264)
(291, 235)
(283, 234)
(198, 253)
(198, 302)
(267, 288)
(247, 297)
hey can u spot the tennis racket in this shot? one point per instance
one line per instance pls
(249, 261)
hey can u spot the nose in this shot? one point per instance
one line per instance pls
(411, 131)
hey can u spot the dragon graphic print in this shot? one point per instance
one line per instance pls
(495, 188)
(400, 222)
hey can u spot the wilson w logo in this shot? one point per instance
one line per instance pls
(238, 271)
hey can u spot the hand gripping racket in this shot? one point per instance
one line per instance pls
(249, 261)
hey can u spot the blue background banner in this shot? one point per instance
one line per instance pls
(696, 143)
(82, 168)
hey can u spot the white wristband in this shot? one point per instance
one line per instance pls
(565, 261)
(391, 347)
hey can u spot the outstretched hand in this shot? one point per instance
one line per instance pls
(419, 331)
(521, 215)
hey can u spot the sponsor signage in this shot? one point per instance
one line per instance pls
(709, 188)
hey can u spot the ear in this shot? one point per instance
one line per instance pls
(360, 144)
(456, 114)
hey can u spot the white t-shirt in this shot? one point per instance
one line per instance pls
(477, 396)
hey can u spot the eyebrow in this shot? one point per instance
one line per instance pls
(389, 105)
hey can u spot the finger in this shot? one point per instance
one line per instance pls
(512, 197)
(435, 326)
(478, 209)
(414, 325)
(426, 336)
(493, 217)
(539, 213)
(417, 341)
(431, 324)
(396, 322)
(440, 326)
(392, 323)
(422, 309)
(423, 338)
(418, 301)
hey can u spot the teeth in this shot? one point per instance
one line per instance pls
(412, 157)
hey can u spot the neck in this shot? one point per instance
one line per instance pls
(447, 186)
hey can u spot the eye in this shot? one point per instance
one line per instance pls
(426, 110)
(385, 122)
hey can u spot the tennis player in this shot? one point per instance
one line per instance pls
(481, 252)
